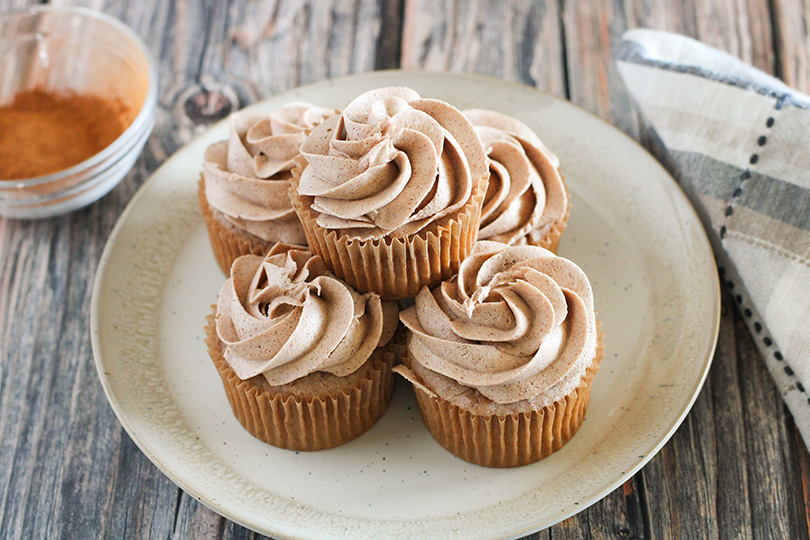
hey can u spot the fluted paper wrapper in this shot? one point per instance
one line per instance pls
(394, 268)
(306, 423)
(512, 440)
(227, 242)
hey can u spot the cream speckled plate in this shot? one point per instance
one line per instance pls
(631, 229)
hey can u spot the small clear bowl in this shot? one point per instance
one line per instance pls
(76, 50)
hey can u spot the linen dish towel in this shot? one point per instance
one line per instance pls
(738, 140)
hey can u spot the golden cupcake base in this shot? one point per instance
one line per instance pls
(297, 418)
(510, 440)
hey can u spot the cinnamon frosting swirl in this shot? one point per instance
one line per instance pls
(285, 316)
(526, 194)
(517, 323)
(391, 164)
(247, 176)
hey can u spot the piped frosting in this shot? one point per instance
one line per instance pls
(517, 323)
(526, 194)
(285, 316)
(391, 164)
(247, 176)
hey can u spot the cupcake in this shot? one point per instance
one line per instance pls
(389, 192)
(526, 200)
(305, 359)
(245, 180)
(502, 356)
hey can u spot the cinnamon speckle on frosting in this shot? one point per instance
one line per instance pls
(285, 316)
(247, 176)
(390, 164)
(517, 322)
(526, 194)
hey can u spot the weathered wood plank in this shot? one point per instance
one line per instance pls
(588, 54)
(774, 480)
(652, 14)
(297, 43)
(73, 472)
(804, 471)
(591, 29)
(791, 28)
(689, 488)
(11, 5)
(732, 496)
(680, 481)
(28, 373)
(519, 41)
(742, 30)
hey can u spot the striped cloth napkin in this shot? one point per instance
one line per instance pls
(738, 141)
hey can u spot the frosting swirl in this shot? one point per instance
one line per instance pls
(391, 164)
(285, 316)
(517, 323)
(247, 176)
(526, 194)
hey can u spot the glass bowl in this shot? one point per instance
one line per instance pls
(79, 51)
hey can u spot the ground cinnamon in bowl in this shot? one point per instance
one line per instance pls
(43, 132)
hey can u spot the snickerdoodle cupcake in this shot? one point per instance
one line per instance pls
(305, 359)
(502, 356)
(389, 191)
(245, 181)
(526, 200)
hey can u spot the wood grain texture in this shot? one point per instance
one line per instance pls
(518, 41)
(792, 42)
(735, 469)
(11, 5)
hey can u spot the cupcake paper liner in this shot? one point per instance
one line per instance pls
(395, 268)
(511, 440)
(306, 423)
(227, 242)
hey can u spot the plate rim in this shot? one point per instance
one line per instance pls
(672, 187)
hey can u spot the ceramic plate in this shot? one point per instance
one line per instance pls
(631, 229)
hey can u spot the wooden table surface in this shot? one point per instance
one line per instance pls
(736, 468)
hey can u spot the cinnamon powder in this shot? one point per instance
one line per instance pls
(43, 132)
